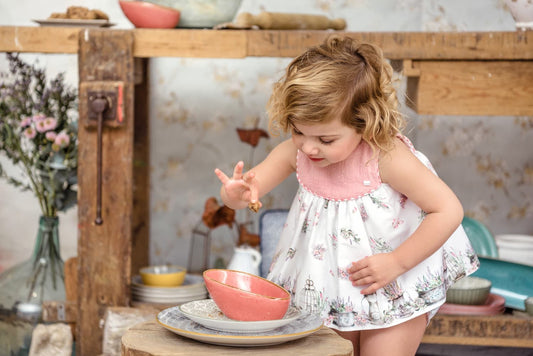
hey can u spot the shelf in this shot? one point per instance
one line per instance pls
(149, 43)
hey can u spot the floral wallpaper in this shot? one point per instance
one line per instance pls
(197, 104)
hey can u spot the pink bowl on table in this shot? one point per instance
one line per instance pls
(147, 15)
(246, 297)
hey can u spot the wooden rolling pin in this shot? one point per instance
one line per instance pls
(284, 21)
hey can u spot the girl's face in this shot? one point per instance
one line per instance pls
(325, 143)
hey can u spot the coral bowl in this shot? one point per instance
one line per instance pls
(246, 297)
(147, 15)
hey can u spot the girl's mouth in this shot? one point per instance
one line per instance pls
(316, 159)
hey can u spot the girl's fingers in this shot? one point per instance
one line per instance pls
(254, 196)
(370, 289)
(237, 171)
(221, 176)
(248, 177)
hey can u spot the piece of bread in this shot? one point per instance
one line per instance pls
(254, 206)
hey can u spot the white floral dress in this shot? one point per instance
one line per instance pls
(343, 213)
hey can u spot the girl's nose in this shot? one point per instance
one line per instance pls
(309, 148)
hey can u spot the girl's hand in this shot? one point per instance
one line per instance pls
(239, 190)
(376, 271)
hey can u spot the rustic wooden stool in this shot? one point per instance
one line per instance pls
(151, 339)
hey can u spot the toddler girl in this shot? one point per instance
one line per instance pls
(373, 237)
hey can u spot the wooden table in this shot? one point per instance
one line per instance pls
(151, 339)
(449, 73)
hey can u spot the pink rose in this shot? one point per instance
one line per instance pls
(51, 135)
(25, 122)
(46, 124)
(30, 132)
(62, 139)
(38, 117)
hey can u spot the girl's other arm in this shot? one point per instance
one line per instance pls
(243, 188)
(406, 174)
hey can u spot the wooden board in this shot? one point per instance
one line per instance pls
(151, 339)
(104, 251)
(190, 43)
(404, 45)
(471, 88)
(276, 43)
(39, 39)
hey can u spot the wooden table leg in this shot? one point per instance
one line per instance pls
(104, 251)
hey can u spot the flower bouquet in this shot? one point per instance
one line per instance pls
(38, 134)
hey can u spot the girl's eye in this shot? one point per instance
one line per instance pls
(295, 132)
(326, 142)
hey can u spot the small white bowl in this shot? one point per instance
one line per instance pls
(469, 290)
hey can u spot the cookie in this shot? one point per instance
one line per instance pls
(254, 206)
(100, 14)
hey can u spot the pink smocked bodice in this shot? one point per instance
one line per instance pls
(355, 176)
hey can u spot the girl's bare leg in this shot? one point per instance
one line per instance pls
(352, 336)
(399, 340)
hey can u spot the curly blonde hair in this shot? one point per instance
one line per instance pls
(340, 78)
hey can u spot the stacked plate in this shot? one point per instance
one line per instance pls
(193, 288)
(494, 305)
(202, 320)
(515, 248)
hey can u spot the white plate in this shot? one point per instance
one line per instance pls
(184, 293)
(167, 295)
(193, 288)
(174, 320)
(173, 300)
(75, 23)
(207, 313)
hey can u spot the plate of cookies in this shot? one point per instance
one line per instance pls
(77, 16)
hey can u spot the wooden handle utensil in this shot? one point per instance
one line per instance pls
(287, 21)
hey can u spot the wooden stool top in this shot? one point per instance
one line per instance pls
(151, 339)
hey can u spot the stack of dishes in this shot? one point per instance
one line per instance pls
(202, 320)
(515, 248)
(193, 288)
(494, 305)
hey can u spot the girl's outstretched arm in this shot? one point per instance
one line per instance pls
(406, 174)
(243, 188)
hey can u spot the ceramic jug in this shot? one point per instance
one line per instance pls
(245, 259)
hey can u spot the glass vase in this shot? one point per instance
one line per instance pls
(24, 288)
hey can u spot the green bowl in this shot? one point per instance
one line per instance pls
(469, 290)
